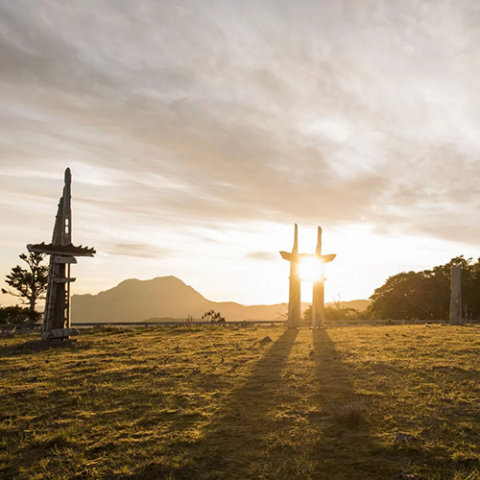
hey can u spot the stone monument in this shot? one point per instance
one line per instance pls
(56, 320)
(294, 296)
(294, 299)
(456, 295)
(318, 297)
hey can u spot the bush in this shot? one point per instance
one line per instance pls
(335, 313)
(16, 314)
(213, 317)
(350, 415)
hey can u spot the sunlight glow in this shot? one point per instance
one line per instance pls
(311, 269)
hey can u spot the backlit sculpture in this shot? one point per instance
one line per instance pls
(56, 320)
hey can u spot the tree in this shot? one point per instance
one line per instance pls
(30, 284)
(426, 295)
(213, 317)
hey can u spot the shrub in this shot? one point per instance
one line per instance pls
(16, 314)
(213, 317)
(350, 414)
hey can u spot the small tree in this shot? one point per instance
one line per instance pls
(30, 284)
(213, 317)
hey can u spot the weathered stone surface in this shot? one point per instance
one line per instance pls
(318, 304)
(456, 295)
(318, 297)
(318, 301)
(294, 297)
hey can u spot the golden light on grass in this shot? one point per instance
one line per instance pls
(173, 395)
(311, 269)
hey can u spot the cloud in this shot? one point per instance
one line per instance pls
(316, 112)
(137, 250)
(262, 256)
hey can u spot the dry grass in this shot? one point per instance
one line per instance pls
(350, 414)
(214, 403)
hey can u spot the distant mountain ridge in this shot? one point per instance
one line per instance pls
(159, 298)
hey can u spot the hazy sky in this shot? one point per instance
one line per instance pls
(198, 132)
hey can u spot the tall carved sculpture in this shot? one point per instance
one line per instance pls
(56, 320)
(294, 300)
(318, 297)
(294, 297)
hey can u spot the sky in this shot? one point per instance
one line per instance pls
(199, 132)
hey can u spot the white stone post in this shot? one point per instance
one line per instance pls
(456, 295)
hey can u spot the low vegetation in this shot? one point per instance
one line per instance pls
(213, 317)
(27, 284)
(224, 403)
(334, 313)
(425, 295)
(16, 314)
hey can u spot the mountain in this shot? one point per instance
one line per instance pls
(161, 298)
(169, 298)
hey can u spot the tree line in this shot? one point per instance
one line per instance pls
(426, 295)
(405, 296)
(421, 295)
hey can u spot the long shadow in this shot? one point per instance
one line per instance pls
(232, 444)
(296, 416)
(234, 441)
(345, 448)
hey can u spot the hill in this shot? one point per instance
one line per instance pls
(203, 403)
(162, 297)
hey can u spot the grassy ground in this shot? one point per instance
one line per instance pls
(215, 403)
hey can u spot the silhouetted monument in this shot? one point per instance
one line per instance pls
(295, 292)
(56, 320)
(294, 296)
(318, 297)
(456, 295)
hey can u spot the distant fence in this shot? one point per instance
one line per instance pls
(22, 328)
(329, 323)
(176, 322)
(378, 323)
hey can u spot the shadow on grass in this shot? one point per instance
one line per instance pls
(348, 450)
(296, 416)
(232, 443)
(344, 448)
(282, 423)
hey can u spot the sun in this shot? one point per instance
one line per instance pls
(311, 269)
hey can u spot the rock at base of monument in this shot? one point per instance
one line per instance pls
(59, 334)
(42, 345)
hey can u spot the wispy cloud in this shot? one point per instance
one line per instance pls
(137, 250)
(214, 113)
(262, 256)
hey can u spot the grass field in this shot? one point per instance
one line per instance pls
(399, 402)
